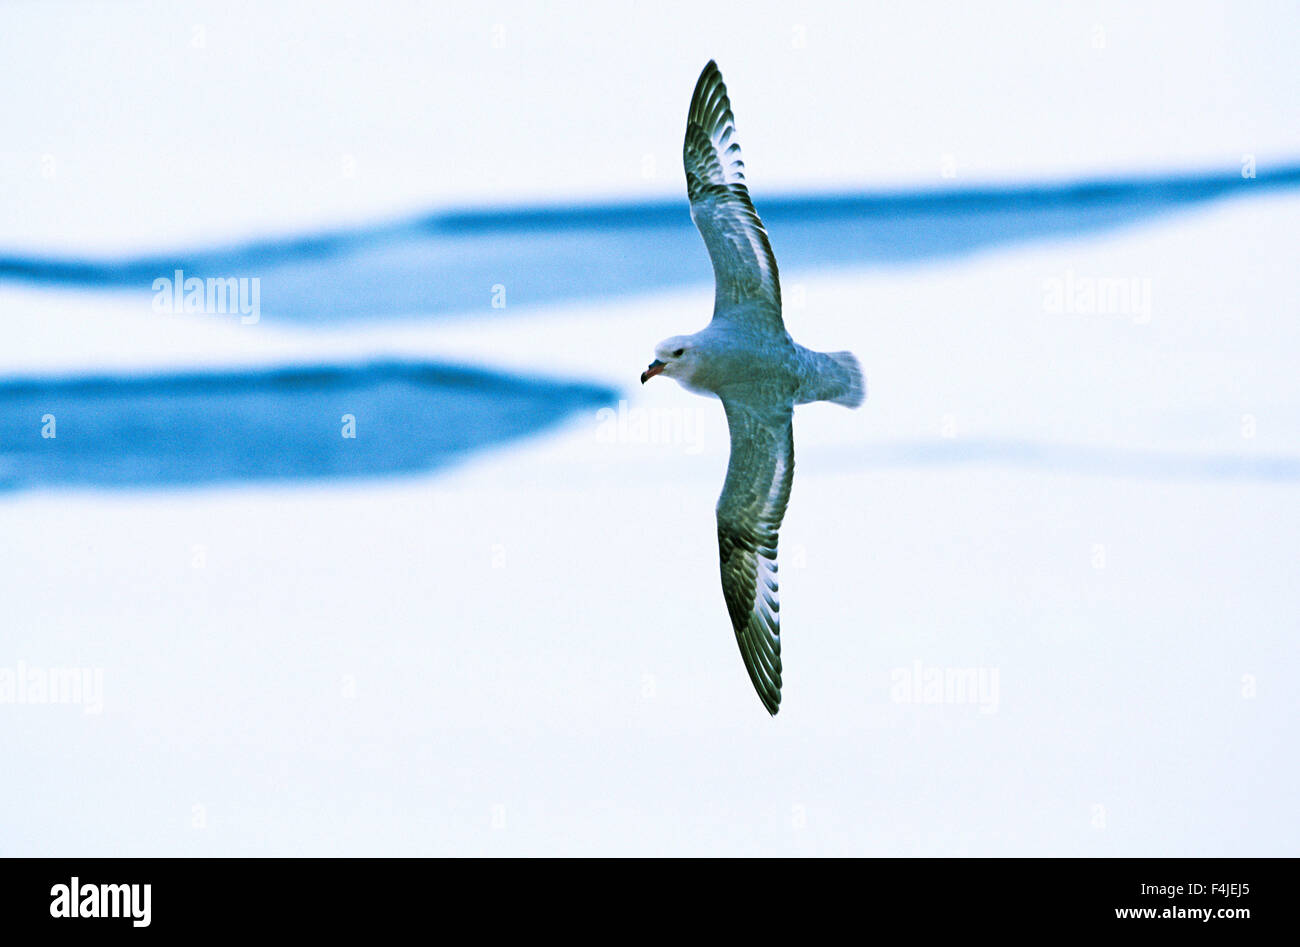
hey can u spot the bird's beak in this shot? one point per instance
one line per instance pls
(655, 368)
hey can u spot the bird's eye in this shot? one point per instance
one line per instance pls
(678, 353)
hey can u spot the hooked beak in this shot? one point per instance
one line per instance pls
(655, 368)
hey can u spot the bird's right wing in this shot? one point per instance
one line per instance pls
(750, 511)
(744, 268)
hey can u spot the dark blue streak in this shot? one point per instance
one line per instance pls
(450, 261)
(274, 424)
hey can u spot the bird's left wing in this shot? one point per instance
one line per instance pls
(744, 267)
(750, 511)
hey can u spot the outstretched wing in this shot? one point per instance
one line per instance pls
(744, 268)
(750, 510)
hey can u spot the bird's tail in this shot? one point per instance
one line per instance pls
(838, 379)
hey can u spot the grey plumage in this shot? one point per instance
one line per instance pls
(750, 510)
(744, 266)
(746, 358)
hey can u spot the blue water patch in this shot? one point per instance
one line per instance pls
(267, 424)
(287, 423)
(457, 261)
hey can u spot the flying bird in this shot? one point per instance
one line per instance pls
(746, 358)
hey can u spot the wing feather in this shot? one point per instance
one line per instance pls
(750, 510)
(744, 267)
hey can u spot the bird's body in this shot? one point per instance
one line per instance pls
(746, 358)
(777, 367)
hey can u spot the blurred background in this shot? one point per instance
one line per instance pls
(334, 521)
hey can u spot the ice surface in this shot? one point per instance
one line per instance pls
(529, 652)
(1091, 507)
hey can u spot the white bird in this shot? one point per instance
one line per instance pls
(746, 358)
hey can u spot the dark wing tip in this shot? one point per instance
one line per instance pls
(702, 84)
(710, 152)
(710, 106)
(772, 705)
(756, 629)
(710, 81)
(768, 692)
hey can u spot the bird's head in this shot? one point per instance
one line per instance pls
(675, 358)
